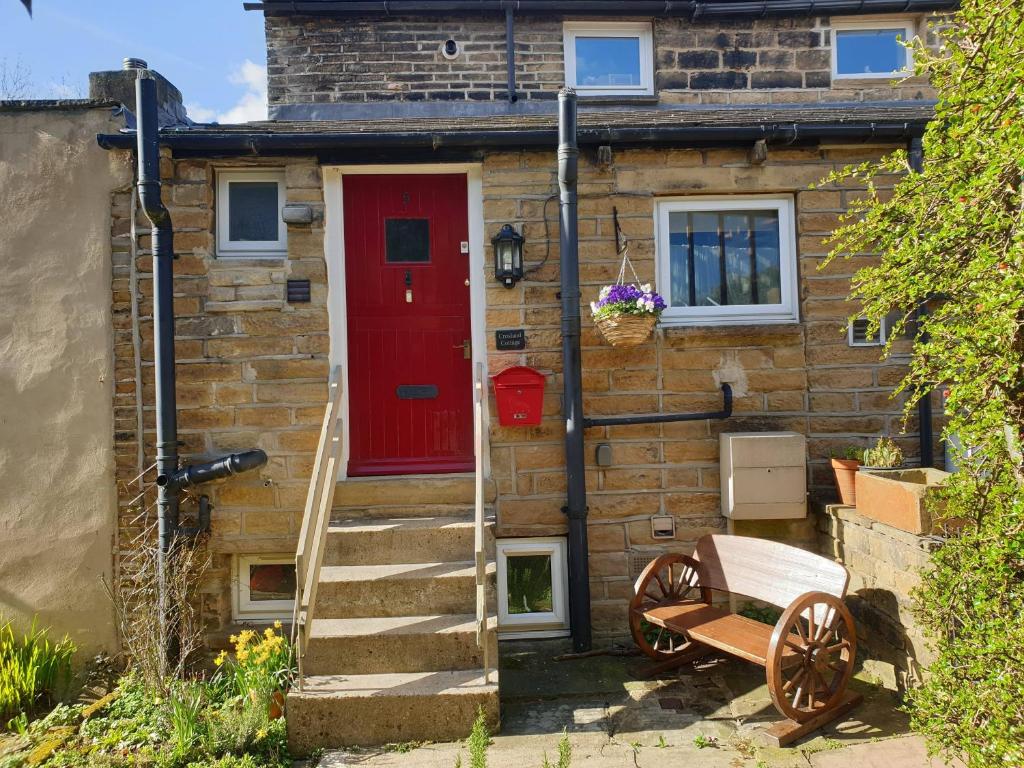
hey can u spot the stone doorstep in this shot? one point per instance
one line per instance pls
(337, 710)
(398, 644)
(410, 490)
(406, 589)
(404, 540)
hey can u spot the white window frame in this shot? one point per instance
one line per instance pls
(907, 26)
(243, 607)
(640, 30)
(788, 311)
(266, 248)
(554, 623)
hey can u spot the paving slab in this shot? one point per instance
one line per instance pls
(903, 752)
(706, 715)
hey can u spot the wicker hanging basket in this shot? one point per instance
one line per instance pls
(622, 330)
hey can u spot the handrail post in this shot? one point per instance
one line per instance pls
(315, 521)
(479, 556)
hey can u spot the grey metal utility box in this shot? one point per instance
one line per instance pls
(764, 475)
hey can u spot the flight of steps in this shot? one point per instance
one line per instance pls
(393, 655)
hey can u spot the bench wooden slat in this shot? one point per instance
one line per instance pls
(766, 570)
(720, 629)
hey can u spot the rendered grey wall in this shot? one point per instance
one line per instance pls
(58, 500)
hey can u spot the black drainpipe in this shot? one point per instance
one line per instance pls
(162, 246)
(170, 479)
(925, 427)
(572, 377)
(510, 53)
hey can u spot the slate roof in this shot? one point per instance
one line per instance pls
(887, 113)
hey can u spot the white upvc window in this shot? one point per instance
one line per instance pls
(249, 203)
(263, 587)
(609, 58)
(532, 588)
(871, 49)
(727, 260)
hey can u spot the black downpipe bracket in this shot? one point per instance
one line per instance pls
(510, 53)
(572, 376)
(925, 427)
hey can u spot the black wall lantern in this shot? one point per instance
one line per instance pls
(508, 256)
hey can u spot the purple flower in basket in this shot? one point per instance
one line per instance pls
(627, 300)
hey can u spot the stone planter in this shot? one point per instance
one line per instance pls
(899, 497)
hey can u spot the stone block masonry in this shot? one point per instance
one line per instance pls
(885, 566)
(346, 60)
(252, 370)
(801, 376)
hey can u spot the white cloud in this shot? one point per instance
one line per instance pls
(251, 105)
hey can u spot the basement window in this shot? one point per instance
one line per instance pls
(249, 204)
(871, 49)
(532, 588)
(609, 59)
(264, 587)
(727, 260)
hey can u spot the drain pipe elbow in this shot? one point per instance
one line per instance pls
(197, 474)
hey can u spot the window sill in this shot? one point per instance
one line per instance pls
(762, 328)
(625, 98)
(250, 259)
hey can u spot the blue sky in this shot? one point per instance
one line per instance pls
(213, 50)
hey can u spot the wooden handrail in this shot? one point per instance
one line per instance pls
(316, 518)
(480, 555)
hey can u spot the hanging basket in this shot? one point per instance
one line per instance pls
(624, 330)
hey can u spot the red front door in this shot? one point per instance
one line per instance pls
(409, 367)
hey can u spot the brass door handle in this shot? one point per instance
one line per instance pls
(467, 348)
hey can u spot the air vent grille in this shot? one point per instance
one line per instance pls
(860, 337)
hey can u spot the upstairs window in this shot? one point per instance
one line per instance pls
(727, 260)
(609, 59)
(249, 204)
(875, 49)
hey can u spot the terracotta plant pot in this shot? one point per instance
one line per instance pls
(845, 471)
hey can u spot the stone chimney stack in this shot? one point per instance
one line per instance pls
(119, 85)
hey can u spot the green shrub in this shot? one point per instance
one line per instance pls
(33, 671)
(949, 237)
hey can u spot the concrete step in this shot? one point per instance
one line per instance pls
(403, 589)
(398, 644)
(404, 540)
(410, 491)
(336, 711)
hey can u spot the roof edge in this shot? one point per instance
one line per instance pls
(692, 9)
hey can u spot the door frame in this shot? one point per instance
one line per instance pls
(334, 252)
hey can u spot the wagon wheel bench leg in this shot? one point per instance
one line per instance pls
(691, 652)
(810, 662)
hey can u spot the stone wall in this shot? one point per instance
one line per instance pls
(252, 370)
(802, 376)
(885, 565)
(327, 59)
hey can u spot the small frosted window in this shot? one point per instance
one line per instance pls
(253, 214)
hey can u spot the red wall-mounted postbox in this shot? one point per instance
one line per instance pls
(519, 392)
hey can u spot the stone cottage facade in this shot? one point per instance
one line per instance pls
(424, 99)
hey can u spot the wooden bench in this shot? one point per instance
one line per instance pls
(808, 655)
